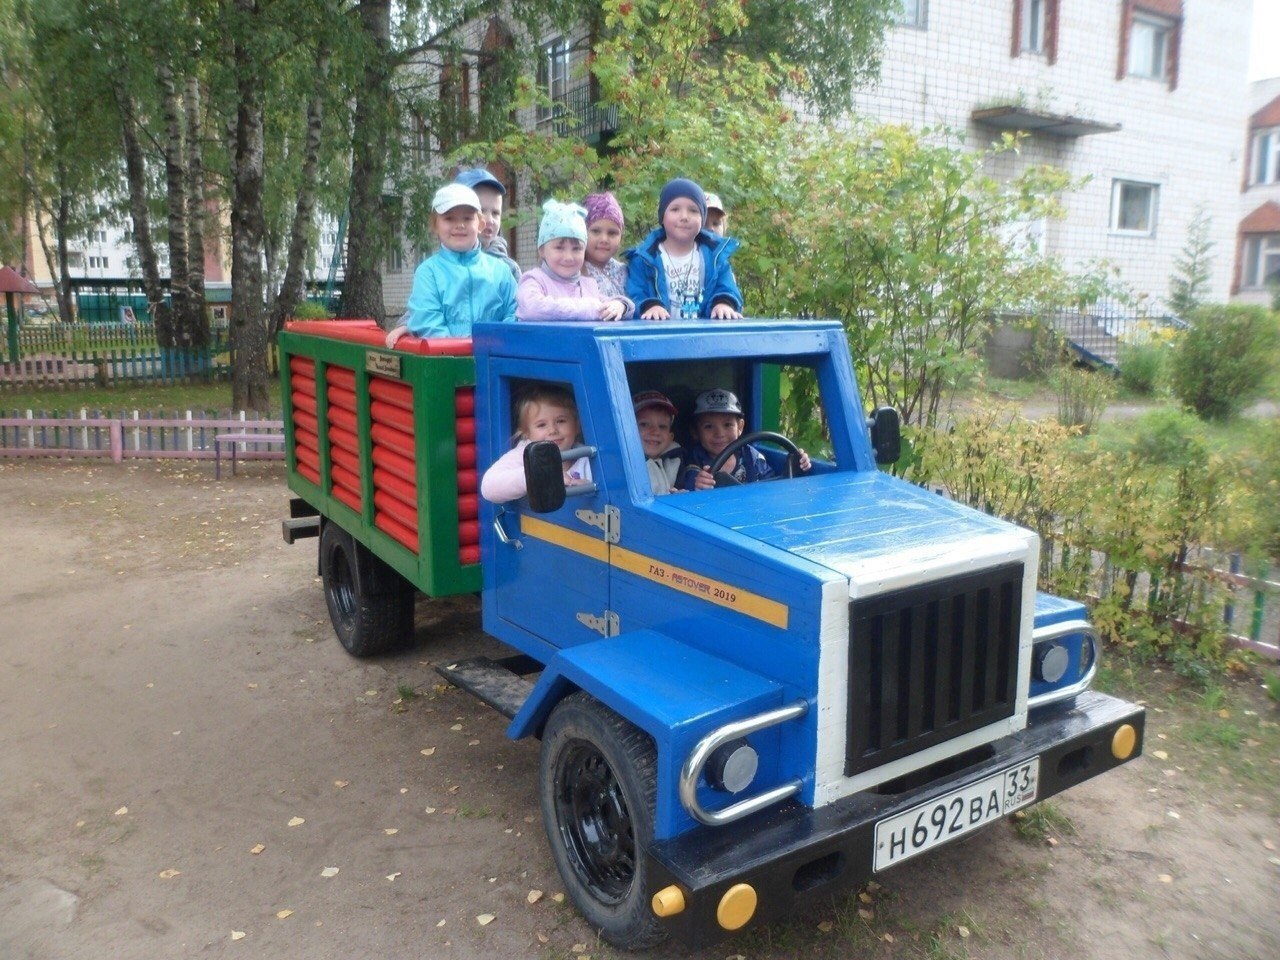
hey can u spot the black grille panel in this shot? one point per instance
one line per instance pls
(930, 663)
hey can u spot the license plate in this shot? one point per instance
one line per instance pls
(935, 822)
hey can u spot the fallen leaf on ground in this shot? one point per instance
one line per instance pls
(296, 821)
(887, 938)
(252, 686)
(558, 897)
(283, 914)
(1268, 844)
(484, 919)
(329, 872)
(237, 934)
(1174, 815)
(534, 896)
(1224, 714)
(257, 848)
(866, 914)
(456, 726)
(963, 931)
(864, 897)
(454, 788)
(122, 811)
(429, 810)
(1165, 878)
(371, 693)
(169, 874)
(341, 783)
(578, 948)
(543, 938)
(1053, 841)
(428, 751)
(825, 926)
(392, 876)
(390, 831)
(440, 924)
(1160, 754)
(473, 743)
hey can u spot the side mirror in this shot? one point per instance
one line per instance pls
(886, 434)
(544, 476)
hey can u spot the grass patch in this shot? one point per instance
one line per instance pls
(407, 693)
(1042, 821)
(197, 397)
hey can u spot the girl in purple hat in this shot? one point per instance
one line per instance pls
(604, 238)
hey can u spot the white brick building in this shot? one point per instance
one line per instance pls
(1258, 250)
(1146, 98)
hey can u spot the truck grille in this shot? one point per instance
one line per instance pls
(932, 662)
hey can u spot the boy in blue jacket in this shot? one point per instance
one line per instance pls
(682, 270)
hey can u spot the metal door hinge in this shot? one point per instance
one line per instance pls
(606, 624)
(608, 522)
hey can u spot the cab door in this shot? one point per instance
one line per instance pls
(546, 575)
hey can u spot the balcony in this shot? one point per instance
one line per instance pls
(576, 114)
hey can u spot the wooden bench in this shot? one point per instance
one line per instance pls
(235, 439)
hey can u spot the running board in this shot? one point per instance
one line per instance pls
(499, 683)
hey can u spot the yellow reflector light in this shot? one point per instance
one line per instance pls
(1123, 741)
(668, 901)
(737, 906)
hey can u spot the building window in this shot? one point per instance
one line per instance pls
(455, 104)
(99, 236)
(1262, 260)
(395, 259)
(1150, 36)
(912, 13)
(1266, 156)
(97, 263)
(1033, 26)
(553, 74)
(1133, 207)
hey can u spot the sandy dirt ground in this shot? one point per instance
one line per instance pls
(190, 765)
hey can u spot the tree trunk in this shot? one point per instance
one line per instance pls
(136, 176)
(367, 229)
(291, 288)
(51, 258)
(199, 321)
(248, 225)
(176, 197)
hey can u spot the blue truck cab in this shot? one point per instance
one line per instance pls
(754, 693)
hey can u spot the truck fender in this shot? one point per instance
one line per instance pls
(674, 692)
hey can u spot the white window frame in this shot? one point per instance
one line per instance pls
(1259, 251)
(1119, 187)
(1265, 166)
(98, 263)
(395, 259)
(1152, 35)
(553, 73)
(912, 13)
(1035, 18)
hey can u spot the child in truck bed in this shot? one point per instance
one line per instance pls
(556, 289)
(459, 284)
(544, 412)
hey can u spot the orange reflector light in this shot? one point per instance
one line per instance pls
(1123, 741)
(668, 901)
(737, 906)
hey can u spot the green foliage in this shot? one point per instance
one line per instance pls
(1040, 821)
(1082, 394)
(310, 310)
(1142, 366)
(1193, 268)
(1223, 361)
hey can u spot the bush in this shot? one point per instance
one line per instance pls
(1082, 396)
(1223, 361)
(310, 310)
(1142, 366)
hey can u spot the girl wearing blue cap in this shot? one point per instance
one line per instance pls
(682, 270)
(556, 289)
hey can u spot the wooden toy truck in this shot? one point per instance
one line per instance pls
(745, 696)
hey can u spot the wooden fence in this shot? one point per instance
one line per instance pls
(134, 435)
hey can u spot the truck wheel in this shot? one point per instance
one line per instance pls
(366, 623)
(598, 786)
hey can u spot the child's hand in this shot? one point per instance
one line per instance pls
(612, 310)
(704, 480)
(656, 312)
(723, 311)
(395, 334)
(805, 462)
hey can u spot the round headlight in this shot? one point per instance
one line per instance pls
(1052, 661)
(733, 766)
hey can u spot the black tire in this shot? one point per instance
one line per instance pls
(598, 782)
(366, 623)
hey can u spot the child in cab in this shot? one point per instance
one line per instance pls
(556, 289)
(682, 270)
(459, 284)
(717, 216)
(604, 237)
(663, 457)
(491, 193)
(717, 422)
(545, 411)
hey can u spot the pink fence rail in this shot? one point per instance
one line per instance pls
(135, 437)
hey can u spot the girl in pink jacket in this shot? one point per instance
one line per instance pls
(556, 289)
(544, 411)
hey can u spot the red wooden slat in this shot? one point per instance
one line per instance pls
(302, 401)
(466, 430)
(398, 531)
(392, 462)
(468, 507)
(343, 377)
(341, 397)
(305, 385)
(464, 401)
(467, 481)
(303, 419)
(347, 459)
(469, 555)
(393, 439)
(342, 418)
(309, 471)
(344, 439)
(305, 438)
(395, 393)
(342, 476)
(389, 482)
(392, 507)
(302, 366)
(352, 500)
(468, 533)
(381, 412)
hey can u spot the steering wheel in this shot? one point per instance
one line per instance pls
(760, 436)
